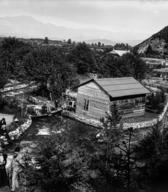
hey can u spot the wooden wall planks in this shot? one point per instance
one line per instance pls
(92, 90)
(98, 101)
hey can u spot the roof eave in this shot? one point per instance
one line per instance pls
(126, 97)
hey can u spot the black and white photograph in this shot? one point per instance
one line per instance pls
(83, 95)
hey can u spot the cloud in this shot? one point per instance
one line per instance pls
(139, 16)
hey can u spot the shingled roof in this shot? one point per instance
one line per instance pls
(120, 87)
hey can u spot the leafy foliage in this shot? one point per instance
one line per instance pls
(122, 46)
(57, 68)
(162, 34)
(156, 101)
(131, 65)
(46, 41)
(108, 66)
(83, 58)
(152, 155)
(127, 65)
(12, 52)
(58, 167)
(48, 66)
(105, 159)
(151, 53)
(3, 76)
(76, 161)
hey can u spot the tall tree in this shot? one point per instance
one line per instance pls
(112, 129)
(103, 159)
(108, 66)
(125, 163)
(151, 153)
(3, 76)
(46, 41)
(48, 66)
(69, 41)
(57, 167)
(83, 58)
(131, 65)
(12, 52)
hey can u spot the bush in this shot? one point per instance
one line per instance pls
(57, 167)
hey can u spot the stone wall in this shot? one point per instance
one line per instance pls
(21, 129)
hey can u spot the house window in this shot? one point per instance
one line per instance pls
(86, 104)
(143, 99)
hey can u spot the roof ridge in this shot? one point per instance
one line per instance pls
(116, 78)
(122, 84)
(125, 89)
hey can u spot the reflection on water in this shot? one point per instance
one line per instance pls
(44, 131)
(43, 127)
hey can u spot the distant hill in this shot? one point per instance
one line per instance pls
(103, 41)
(154, 46)
(30, 27)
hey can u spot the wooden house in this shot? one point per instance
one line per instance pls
(95, 96)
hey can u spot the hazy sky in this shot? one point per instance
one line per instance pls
(141, 17)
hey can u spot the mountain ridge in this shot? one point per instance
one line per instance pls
(154, 46)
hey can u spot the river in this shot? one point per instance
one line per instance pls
(44, 127)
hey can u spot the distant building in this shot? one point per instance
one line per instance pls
(95, 96)
(118, 52)
(154, 63)
(163, 73)
(99, 50)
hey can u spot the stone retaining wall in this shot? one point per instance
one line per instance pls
(15, 134)
(149, 123)
(21, 129)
